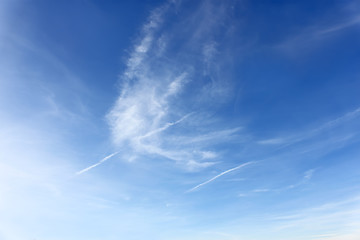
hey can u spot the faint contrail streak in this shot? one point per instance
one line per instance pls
(97, 164)
(165, 127)
(219, 175)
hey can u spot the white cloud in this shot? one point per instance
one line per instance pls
(208, 154)
(261, 190)
(139, 53)
(272, 141)
(219, 175)
(286, 141)
(96, 164)
(340, 26)
(328, 216)
(308, 174)
(306, 178)
(158, 110)
(314, 34)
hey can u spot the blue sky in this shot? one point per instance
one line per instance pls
(217, 120)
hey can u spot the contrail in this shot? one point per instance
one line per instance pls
(165, 127)
(219, 175)
(96, 164)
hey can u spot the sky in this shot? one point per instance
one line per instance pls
(179, 120)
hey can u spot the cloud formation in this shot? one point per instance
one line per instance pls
(96, 164)
(219, 175)
(164, 95)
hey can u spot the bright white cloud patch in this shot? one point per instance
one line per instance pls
(159, 111)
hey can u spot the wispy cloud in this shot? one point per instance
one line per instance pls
(340, 26)
(96, 164)
(161, 129)
(285, 141)
(272, 141)
(160, 107)
(308, 174)
(219, 175)
(260, 190)
(305, 179)
(140, 50)
(331, 216)
(331, 25)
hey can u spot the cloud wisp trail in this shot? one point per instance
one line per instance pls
(306, 178)
(167, 125)
(219, 175)
(160, 86)
(96, 164)
(284, 142)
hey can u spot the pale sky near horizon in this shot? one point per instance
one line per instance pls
(179, 120)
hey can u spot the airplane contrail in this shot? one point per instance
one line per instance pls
(167, 125)
(219, 175)
(97, 164)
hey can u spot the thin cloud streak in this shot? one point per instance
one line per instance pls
(96, 164)
(219, 175)
(344, 212)
(164, 127)
(306, 178)
(290, 140)
(312, 35)
(341, 26)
